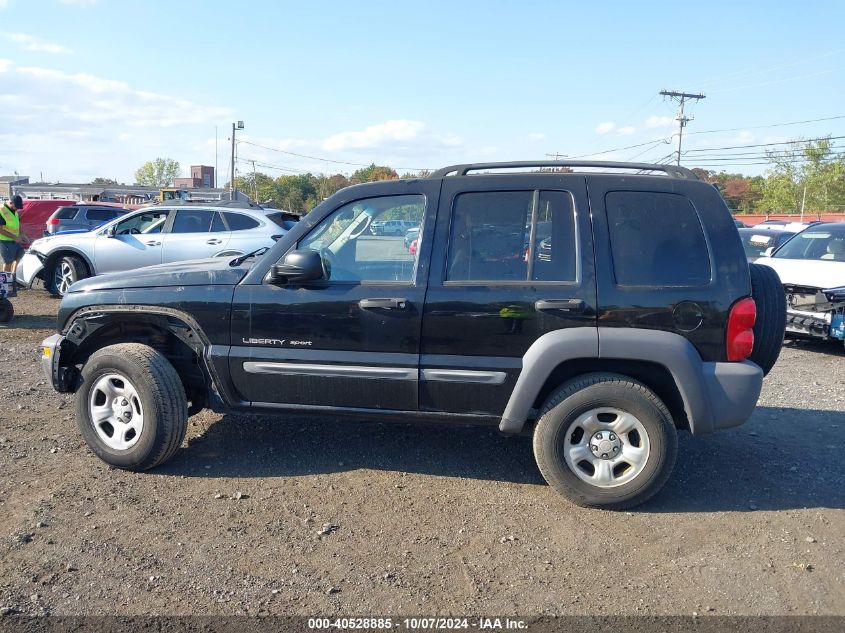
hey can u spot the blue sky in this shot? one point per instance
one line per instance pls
(96, 87)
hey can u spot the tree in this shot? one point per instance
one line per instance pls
(158, 173)
(103, 181)
(372, 173)
(808, 175)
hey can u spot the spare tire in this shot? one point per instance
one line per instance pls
(770, 326)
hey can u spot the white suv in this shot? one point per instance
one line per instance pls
(149, 236)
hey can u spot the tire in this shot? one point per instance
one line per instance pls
(7, 311)
(68, 270)
(587, 406)
(770, 326)
(159, 402)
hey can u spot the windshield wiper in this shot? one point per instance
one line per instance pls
(240, 260)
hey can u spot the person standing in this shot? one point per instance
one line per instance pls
(10, 234)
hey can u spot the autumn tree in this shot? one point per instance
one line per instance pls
(372, 173)
(103, 181)
(158, 173)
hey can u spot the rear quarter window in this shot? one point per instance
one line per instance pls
(656, 240)
(239, 221)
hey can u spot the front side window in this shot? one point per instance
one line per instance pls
(350, 250)
(143, 223)
(656, 240)
(491, 237)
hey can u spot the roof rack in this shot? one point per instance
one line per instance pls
(232, 204)
(674, 171)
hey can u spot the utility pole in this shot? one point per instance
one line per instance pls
(254, 184)
(232, 191)
(215, 157)
(681, 98)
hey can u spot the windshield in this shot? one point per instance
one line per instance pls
(816, 243)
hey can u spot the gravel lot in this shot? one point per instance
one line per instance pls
(303, 516)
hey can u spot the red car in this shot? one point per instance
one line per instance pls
(34, 216)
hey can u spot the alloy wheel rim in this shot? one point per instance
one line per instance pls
(116, 412)
(607, 447)
(64, 277)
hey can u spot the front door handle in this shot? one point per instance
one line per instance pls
(214, 240)
(153, 243)
(564, 305)
(386, 304)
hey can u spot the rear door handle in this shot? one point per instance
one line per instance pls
(214, 240)
(386, 304)
(564, 305)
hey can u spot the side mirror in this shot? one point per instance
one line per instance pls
(298, 267)
(768, 252)
(112, 230)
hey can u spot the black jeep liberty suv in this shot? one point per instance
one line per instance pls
(599, 306)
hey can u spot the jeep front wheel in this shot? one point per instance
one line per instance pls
(606, 441)
(131, 407)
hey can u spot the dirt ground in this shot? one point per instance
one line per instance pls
(316, 516)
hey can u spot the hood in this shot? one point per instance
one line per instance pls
(807, 272)
(213, 271)
(72, 237)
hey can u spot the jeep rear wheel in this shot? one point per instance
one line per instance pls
(131, 407)
(67, 271)
(606, 441)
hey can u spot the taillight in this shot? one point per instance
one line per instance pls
(740, 337)
(53, 221)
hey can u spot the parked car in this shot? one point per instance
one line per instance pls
(740, 224)
(411, 235)
(762, 242)
(34, 216)
(391, 227)
(645, 319)
(812, 268)
(149, 236)
(82, 217)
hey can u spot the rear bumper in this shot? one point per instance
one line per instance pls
(732, 391)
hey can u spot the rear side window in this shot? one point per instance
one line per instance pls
(656, 240)
(239, 221)
(192, 221)
(100, 215)
(491, 237)
(66, 213)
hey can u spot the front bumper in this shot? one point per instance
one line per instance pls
(50, 351)
(28, 268)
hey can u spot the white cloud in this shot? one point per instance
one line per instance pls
(536, 136)
(76, 126)
(32, 43)
(604, 128)
(660, 121)
(4, 4)
(374, 135)
(626, 131)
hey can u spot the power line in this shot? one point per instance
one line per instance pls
(760, 127)
(325, 160)
(809, 140)
(620, 149)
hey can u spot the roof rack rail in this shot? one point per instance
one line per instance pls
(232, 204)
(674, 171)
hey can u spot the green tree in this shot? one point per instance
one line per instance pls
(372, 173)
(809, 174)
(157, 173)
(103, 181)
